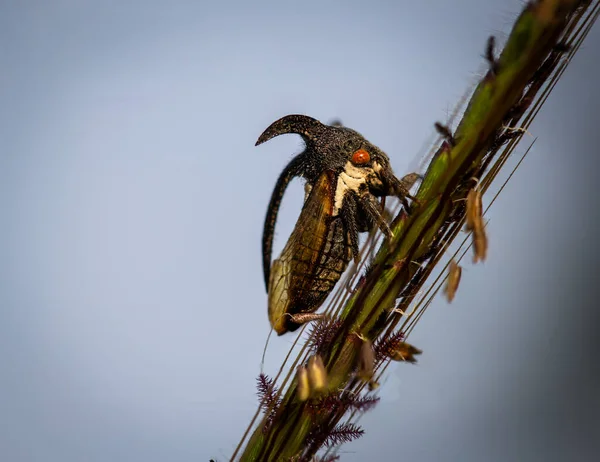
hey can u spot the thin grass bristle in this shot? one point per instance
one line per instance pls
(323, 332)
(268, 398)
(343, 433)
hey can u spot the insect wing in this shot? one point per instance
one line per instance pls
(312, 261)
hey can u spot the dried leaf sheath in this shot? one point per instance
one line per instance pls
(313, 260)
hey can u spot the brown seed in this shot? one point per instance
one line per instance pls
(405, 352)
(445, 132)
(454, 274)
(317, 374)
(480, 243)
(474, 209)
(302, 387)
(474, 223)
(490, 55)
(373, 385)
(366, 361)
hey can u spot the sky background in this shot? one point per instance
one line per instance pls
(132, 306)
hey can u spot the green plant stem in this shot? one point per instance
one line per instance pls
(368, 312)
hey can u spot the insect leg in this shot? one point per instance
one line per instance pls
(372, 208)
(406, 183)
(401, 188)
(349, 217)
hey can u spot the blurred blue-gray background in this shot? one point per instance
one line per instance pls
(132, 306)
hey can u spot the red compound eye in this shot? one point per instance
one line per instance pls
(360, 157)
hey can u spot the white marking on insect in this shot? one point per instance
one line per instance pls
(352, 178)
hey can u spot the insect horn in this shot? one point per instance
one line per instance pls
(289, 173)
(309, 129)
(305, 126)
